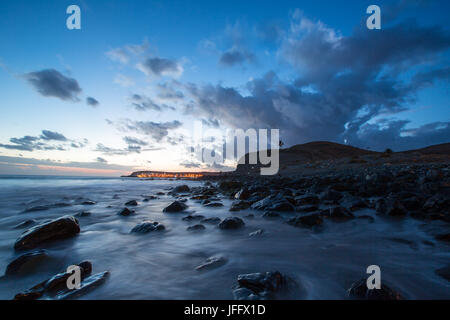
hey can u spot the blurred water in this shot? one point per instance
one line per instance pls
(161, 265)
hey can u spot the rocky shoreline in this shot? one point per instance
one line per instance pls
(304, 201)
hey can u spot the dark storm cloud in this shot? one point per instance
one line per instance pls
(92, 102)
(51, 83)
(236, 56)
(342, 83)
(161, 67)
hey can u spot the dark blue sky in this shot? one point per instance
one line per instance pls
(128, 86)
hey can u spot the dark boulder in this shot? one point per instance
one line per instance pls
(193, 217)
(180, 189)
(243, 194)
(125, 212)
(307, 199)
(25, 262)
(212, 220)
(231, 223)
(131, 203)
(147, 226)
(359, 290)
(240, 205)
(61, 228)
(444, 272)
(175, 206)
(196, 227)
(257, 286)
(88, 203)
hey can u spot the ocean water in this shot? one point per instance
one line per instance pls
(161, 265)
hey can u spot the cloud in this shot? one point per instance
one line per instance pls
(51, 83)
(126, 53)
(134, 141)
(342, 84)
(167, 91)
(101, 160)
(22, 165)
(117, 152)
(157, 130)
(161, 67)
(92, 102)
(124, 81)
(236, 56)
(52, 135)
(144, 103)
(46, 141)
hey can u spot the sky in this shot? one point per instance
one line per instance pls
(126, 91)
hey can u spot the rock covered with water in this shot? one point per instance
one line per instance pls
(147, 226)
(261, 286)
(61, 228)
(212, 263)
(25, 262)
(359, 290)
(125, 212)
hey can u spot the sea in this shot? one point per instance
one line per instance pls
(162, 265)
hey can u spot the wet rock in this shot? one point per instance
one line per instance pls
(175, 206)
(256, 233)
(359, 290)
(181, 189)
(131, 203)
(307, 221)
(55, 285)
(148, 198)
(214, 204)
(243, 194)
(231, 223)
(444, 272)
(240, 205)
(282, 205)
(307, 199)
(83, 214)
(126, 212)
(339, 213)
(25, 262)
(307, 208)
(61, 228)
(250, 216)
(331, 196)
(212, 263)
(443, 237)
(259, 286)
(271, 214)
(87, 285)
(196, 227)
(88, 203)
(230, 186)
(262, 204)
(213, 220)
(147, 226)
(193, 217)
(25, 224)
(390, 207)
(160, 193)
